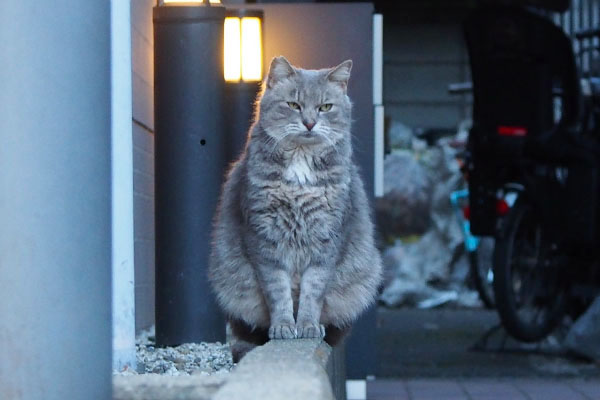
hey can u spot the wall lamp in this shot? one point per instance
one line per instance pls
(242, 73)
(243, 46)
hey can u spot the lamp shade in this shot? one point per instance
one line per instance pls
(243, 50)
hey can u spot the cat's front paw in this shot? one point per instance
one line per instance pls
(282, 331)
(310, 330)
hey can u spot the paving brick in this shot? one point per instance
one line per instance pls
(548, 390)
(491, 389)
(483, 389)
(435, 389)
(589, 389)
(386, 390)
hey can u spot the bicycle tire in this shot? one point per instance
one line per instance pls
(521, 223)
(480, 276)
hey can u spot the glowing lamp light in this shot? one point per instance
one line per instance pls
(233, 43)
(243, 46)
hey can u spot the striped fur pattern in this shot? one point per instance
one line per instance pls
(293, 252)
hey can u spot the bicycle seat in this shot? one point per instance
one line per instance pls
(521, 63)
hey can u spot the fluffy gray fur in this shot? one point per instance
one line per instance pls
(293, 249)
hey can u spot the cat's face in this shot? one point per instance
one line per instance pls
(306, 107)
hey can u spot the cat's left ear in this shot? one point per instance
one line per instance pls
(279, 70)
(341, 74)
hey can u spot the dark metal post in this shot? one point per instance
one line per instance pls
(189, 151)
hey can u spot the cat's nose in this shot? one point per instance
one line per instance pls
(308, 125)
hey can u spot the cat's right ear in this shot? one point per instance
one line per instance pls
(279, 70)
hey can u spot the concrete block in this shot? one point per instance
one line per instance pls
(281, 369)
(165, 387)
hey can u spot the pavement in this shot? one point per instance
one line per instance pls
(429, 354)
(483, 389)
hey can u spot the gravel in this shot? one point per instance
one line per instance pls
(187, 359)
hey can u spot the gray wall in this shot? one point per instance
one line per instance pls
(424, 51)
(143, 159)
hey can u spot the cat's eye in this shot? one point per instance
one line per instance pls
(325, 107)
(294, 106)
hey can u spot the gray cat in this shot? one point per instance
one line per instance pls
(293, 253)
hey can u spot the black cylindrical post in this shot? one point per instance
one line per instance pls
(189, 151)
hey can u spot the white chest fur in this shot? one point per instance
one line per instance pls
(299, 168)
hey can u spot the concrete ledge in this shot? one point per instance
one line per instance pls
(165, 387)
(296, 369)
(285, 369)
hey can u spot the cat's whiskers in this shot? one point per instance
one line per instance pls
(328, 139)
(276, 141)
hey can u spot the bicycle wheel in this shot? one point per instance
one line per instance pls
(529, 290)
(482, 274)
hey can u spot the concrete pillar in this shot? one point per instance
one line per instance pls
(55, 251)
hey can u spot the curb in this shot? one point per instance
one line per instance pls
(165, 387)
(287, 369)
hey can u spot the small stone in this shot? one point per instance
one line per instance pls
(202, 371)
(200, 358)
(159, 369)
(141, 367)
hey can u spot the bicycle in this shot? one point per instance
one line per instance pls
(528, 132)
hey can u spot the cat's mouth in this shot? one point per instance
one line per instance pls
(307, 138)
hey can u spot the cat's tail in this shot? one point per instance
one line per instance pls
(334, 335)
(239, 349)
(246, 338)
